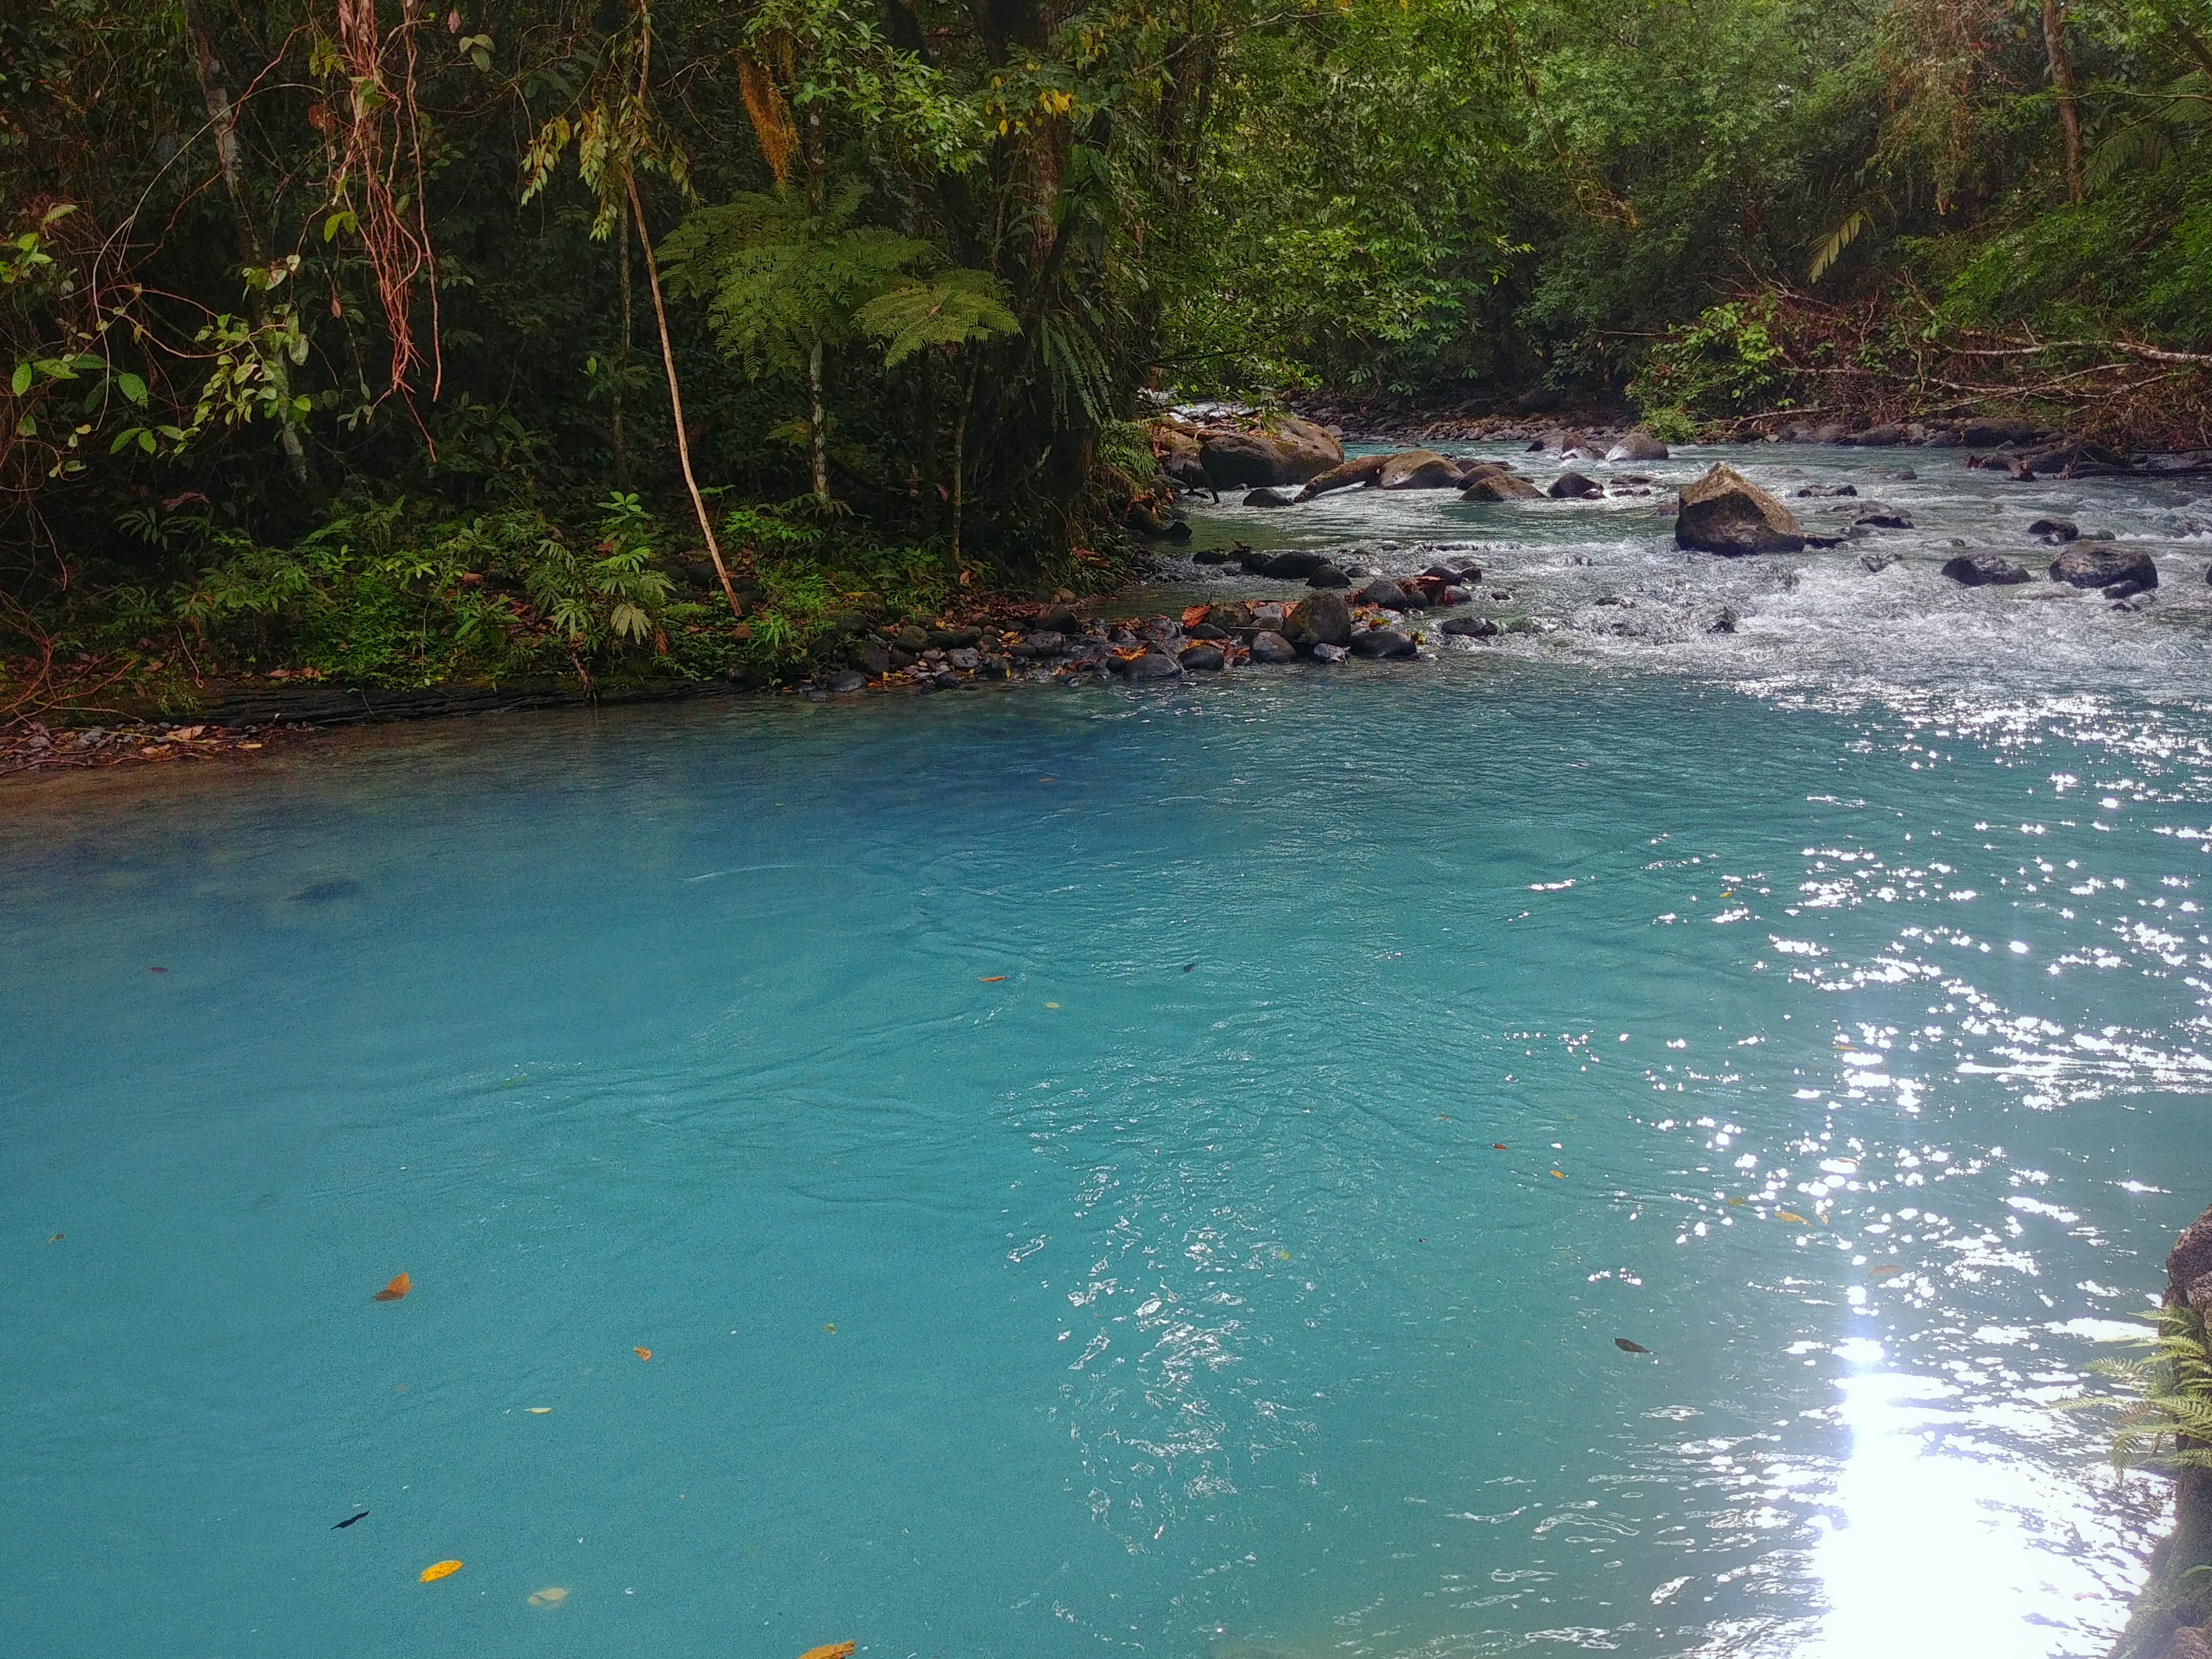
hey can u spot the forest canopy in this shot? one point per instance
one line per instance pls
(402, 342)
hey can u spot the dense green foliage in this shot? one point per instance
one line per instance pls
(332, 325)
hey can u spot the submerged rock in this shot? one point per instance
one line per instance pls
(2063, 529)
(2086, 565)
(1984, 570)
(1266, 497)
(1880, 515)
(1573, 487)
(1725, 512)
(1473, 628)
(1288, 566)
(1331, 654)
(1328, 575)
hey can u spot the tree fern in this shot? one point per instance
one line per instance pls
(949, 311)
(1833, 244)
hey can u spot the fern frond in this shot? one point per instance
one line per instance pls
(949, 310)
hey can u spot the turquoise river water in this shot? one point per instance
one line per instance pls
(1115, 1171)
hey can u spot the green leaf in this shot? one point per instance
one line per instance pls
(20, 382)
(132, 388)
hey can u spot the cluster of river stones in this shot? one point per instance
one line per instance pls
(1332, 625)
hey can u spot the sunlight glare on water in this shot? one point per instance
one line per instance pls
(1092, 1170)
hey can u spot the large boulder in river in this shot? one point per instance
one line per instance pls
(1984, 570)
(1265, 497)
(1573, 487)
(1725, 512)
(1324, 619)
(1292, 452)
(1362, 469)
(2094, 565)
(1419, 469)
(1501, 487)
(1637, 446)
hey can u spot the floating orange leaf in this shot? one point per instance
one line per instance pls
(834, 1650)
(1195, 614)
(642, 1353)
(1497, 1145)
(991, 979)
(440, 1569)
(1559, 1174)
(1790, 1215)
(1885, 1271)
(397, 1288)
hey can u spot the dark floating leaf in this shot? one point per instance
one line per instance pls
(1497, 1145)
(1187, 966)
(324, 891)
(157, 971)
(349, 1521)
(1627, 1346)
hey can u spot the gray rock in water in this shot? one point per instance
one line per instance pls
(1501, 487)
(2085, 565)
(1419, 469)
(1291, 567)
(2061, 530)
(1829, 489)
(1265, 497)
(1269, 645)
(1297, 450)
(1984, 570)
(963, 658)
(1330, 653)
(1482, 628)
(1210, 555)
(873, 656)
(1152, 665)
(1328, 575)
(1203, 657)
(1875, 563)
(1880, 515)
(1385, 593)
(1573, 487)
(1059, 618)
(1725, 512)
(1324, 619)
(1382, 642)
(1231, 614)
(1637, 446)
(1045, 643)
(1724, 621)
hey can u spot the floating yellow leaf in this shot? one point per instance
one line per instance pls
(1052, 1004)
(1790, 1215)
(551, 1596)
(539, 1411)
(440, 1569)
(642, 1353)
(397, 1288)
(1561, 1174)
(1735, 1203)
(834, 1650)
(832, 1329)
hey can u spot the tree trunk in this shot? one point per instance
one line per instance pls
(2061, 78)
(818, 445)
(622, 356)
(676, 401)
(222, 120)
